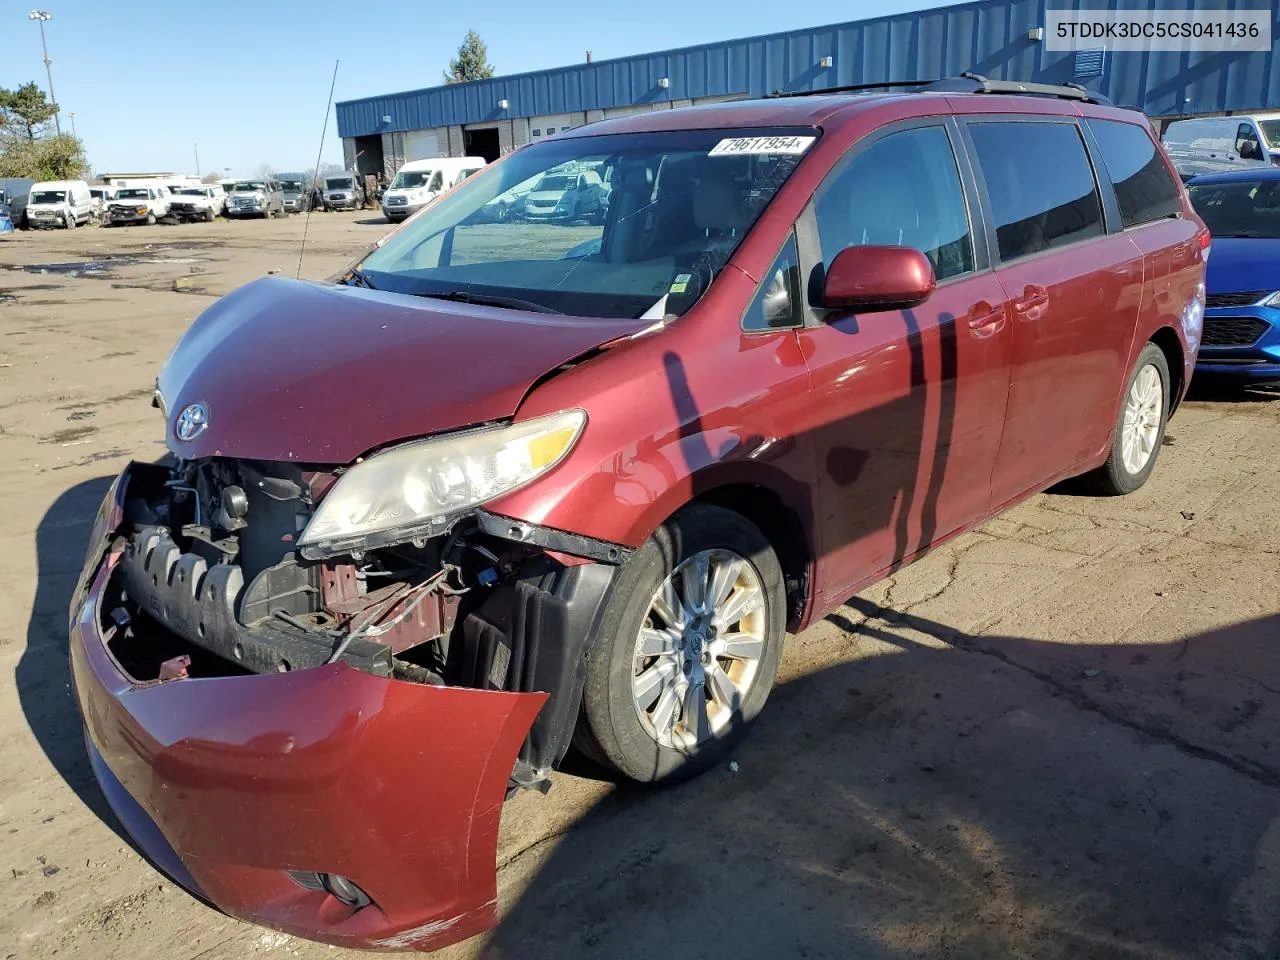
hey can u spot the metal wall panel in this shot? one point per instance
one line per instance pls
(987, 36)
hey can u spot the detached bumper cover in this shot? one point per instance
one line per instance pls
(229, 782)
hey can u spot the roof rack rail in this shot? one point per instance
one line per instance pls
(851, 88)
(976, 83)
(965, 83)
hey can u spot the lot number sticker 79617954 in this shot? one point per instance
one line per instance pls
(734, 146)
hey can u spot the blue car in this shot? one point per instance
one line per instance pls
(1242, 319)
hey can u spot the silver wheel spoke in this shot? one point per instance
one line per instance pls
(669, 608)
(723, 576)
(722, 687)
(646, 687)
(694, 575)
(696, 722)
(744, 601)
(654, 643)
(664, 712)
(741, 646)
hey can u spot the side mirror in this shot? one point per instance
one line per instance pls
(876, 277)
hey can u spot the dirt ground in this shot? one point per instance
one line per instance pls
(1056, 737)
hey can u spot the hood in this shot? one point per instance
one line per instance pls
(410, 193)
(329, 190)
(545, 196)
(248, 194)
(1237, 264)
(319, 373)
(195, 198)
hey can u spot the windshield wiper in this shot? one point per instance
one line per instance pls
(488, 300)
(360, 280)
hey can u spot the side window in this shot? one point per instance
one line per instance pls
(1040, 183)
(1144, 188)
(903, 190)
(777, 302)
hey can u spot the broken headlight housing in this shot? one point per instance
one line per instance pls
(415, 490)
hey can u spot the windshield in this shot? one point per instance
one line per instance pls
(291, 186)
(1239, 208)
(1271, 132)
(554, 183)
(132, 193)
(49, 196)
(249, 187)
(338, 183)
(191, 191)
(649, 243)
(407, 179)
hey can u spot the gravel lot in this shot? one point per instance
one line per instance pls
(1055, 737)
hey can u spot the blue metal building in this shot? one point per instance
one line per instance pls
(996, 38)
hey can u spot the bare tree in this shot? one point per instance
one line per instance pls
(264, 170)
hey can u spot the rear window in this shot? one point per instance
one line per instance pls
(1144, 189)
(1040, 183)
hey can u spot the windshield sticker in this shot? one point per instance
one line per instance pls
(734, 146)
(681, 283)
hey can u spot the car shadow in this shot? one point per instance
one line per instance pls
(1227, 390)
(373, 222)
(43, 676)
(993, 797)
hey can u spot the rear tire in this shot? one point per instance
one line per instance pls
(1139, 429)
(665, 702)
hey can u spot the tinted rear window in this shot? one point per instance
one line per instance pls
(1040, 183)
(1144, 188)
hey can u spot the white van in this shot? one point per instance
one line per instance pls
(1215, 144)
(419, 182)
(59, 203)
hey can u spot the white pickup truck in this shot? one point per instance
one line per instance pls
(138, 205)
(203, 202)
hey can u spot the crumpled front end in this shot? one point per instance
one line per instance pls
(356, 801)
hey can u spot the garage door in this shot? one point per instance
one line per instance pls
(542, 127)
(421, 145)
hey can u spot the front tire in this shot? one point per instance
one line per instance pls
(687, 650)
(151, 219)
(1139, 430)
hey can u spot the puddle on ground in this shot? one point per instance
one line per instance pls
(102, 264)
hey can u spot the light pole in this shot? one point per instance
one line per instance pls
(72, 115)
(41, 16)
(196, 147)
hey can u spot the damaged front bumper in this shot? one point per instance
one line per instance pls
(247, 788)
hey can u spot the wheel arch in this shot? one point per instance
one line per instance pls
(783, 527)
(1167, 340)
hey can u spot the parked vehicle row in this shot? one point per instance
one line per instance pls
(419, 182)
(571, 479)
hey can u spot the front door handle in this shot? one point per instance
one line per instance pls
(1033, 301)
(984, 319)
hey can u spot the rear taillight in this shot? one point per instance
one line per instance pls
(1206, 244)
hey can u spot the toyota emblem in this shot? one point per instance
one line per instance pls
(192, 421)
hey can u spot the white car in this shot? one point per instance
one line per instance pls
(419, 182)
(59, 203)
(563, 197)
(203, 202)
(138, 205)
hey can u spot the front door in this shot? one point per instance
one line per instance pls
(1073, 291)
(907, 405)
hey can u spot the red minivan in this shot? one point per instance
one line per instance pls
(507, 487)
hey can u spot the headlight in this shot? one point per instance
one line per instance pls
(1273, 300)
(416, 489)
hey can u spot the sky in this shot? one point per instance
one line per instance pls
(246, 84)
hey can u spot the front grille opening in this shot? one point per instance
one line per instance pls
(1233, 331)
(145, 644)
(1242, 299)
